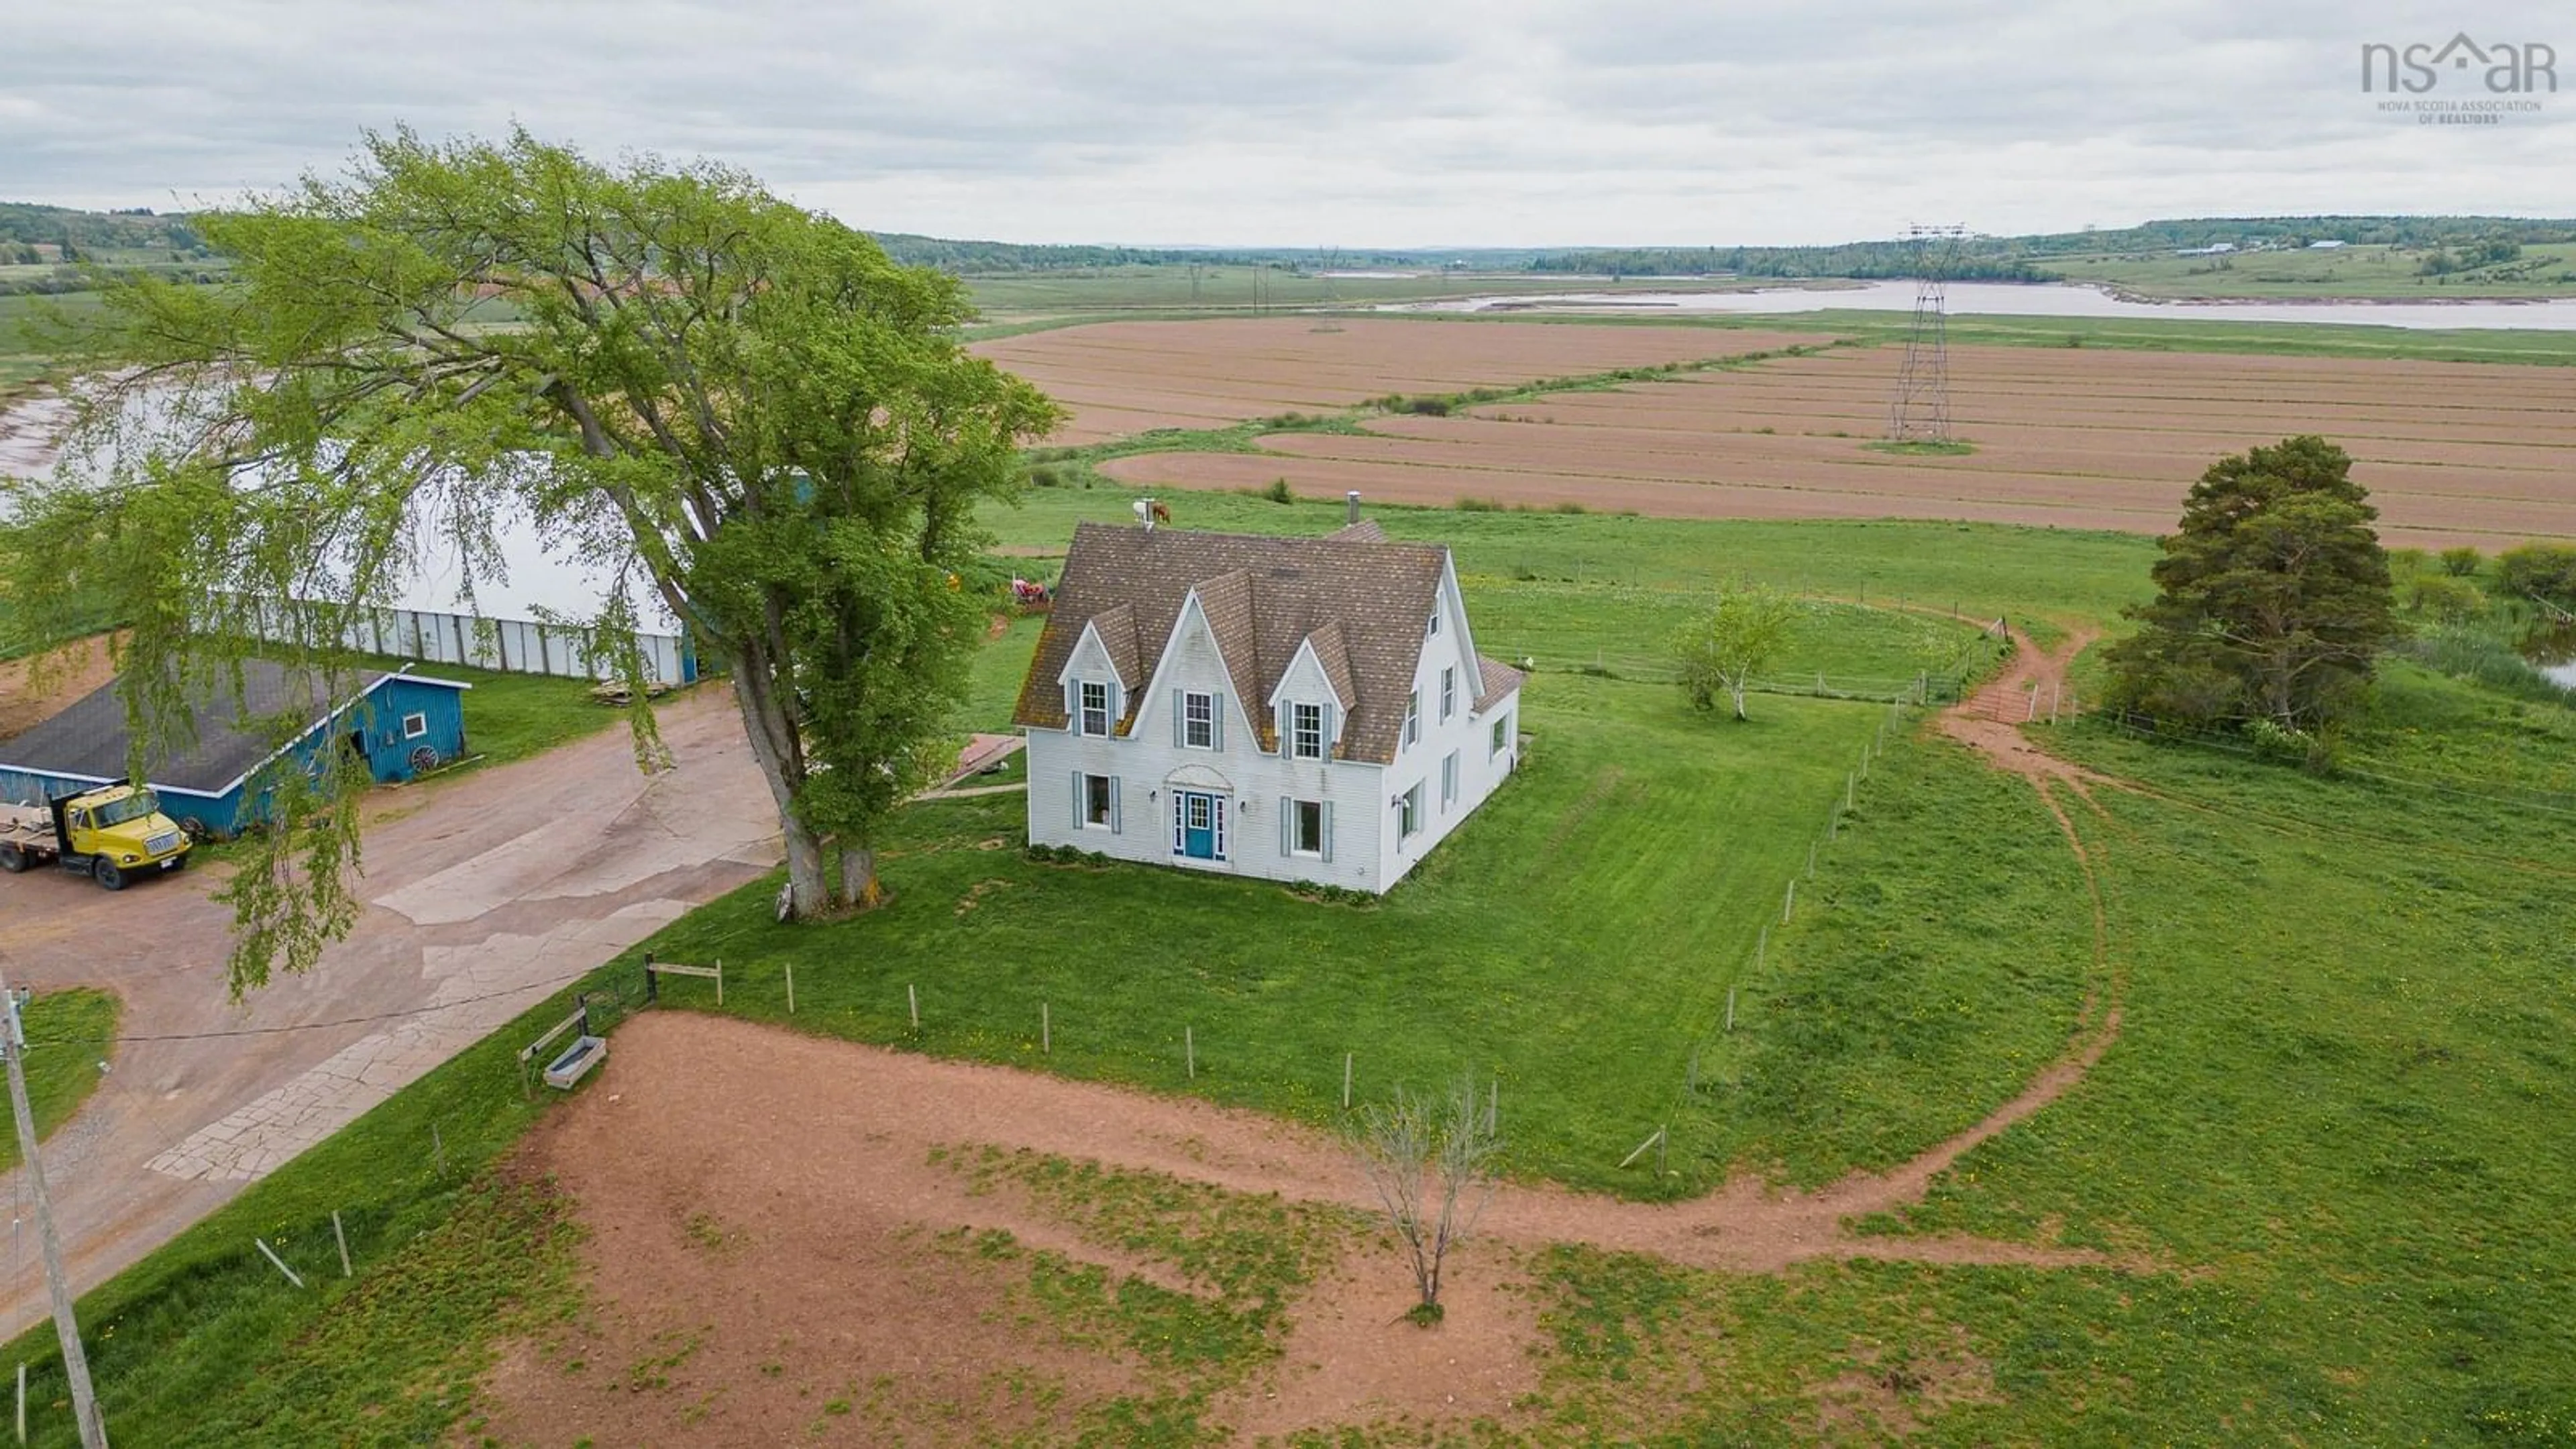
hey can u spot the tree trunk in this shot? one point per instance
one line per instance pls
(859, 877)
(1735, 688)
(808, 889)
(764, 720)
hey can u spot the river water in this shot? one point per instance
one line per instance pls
(2038, 300)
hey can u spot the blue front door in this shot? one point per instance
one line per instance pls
(1200, 827)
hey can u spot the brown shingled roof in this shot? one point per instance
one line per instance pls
(1263, 597)
(1500, 679)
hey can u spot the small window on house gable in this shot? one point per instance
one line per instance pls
(1413, 718)
(1306, 731)
(1095, 708)
(1198, 721)
(1434, 626)
(1449, 781)
(1448, 693)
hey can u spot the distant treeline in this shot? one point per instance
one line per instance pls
(2026, 258)
(1977, 259)
(60, 236)
(986, 257)
(24, 226)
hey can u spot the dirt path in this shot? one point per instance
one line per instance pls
(822, 1158)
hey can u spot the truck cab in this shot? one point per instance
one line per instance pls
(111, 834)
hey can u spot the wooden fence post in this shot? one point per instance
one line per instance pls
(791, 988)
(1190, 1051)
(1346, 1079)
(340, 1236)
(912, 998)
(1046, 1029)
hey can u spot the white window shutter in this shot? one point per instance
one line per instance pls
(1327, 826)
(1117, 826)
(1287, 826)
(1180, 727)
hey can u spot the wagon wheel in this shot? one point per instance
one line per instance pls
(423, 760)
(195, 828)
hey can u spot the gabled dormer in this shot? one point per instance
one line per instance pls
(1314, 697)
(1101, 677)
(1197, 680)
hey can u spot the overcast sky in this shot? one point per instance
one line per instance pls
(1397, 123)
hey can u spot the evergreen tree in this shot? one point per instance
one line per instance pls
(2272, 600)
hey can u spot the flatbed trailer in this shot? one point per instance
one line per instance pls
(139, 843)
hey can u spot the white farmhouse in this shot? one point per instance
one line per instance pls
(1291, 708)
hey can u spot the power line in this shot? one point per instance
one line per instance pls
(548, 984)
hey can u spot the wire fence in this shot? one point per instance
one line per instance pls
(1701, 1073)
(1923, 686)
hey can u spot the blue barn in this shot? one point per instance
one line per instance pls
(403, 724)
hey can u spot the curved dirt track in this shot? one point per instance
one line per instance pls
(766, 1195)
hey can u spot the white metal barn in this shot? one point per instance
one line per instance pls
(1291, 708)
(527, 622)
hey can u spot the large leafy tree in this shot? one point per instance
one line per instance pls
(2272, 600)
(678, 377)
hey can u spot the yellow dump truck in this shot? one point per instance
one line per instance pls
(111, 834)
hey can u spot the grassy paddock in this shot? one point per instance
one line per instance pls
(1513, 951)
(1981, 569)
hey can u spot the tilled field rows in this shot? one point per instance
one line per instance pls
(2453, 453)
(1121, 378)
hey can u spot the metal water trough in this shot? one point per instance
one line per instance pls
(585, 1053)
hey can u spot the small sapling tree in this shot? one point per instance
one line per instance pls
(1430, 1161)
(1723, 649)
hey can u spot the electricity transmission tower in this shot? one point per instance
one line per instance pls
(1921, 411)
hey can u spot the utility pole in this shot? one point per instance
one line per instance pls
(93, 1427)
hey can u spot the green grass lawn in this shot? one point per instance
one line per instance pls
(2333, 1119)
(1982, 570)
(69, 1037)
(1513, 951)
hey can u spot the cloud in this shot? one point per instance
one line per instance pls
(1318, 122)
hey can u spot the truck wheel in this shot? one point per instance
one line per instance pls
(12, 859)
(109, 877)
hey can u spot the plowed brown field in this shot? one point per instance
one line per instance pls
(1121, 378)
(2452, 452)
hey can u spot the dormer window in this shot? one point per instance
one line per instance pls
(1095, 708)
(1306, 731)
